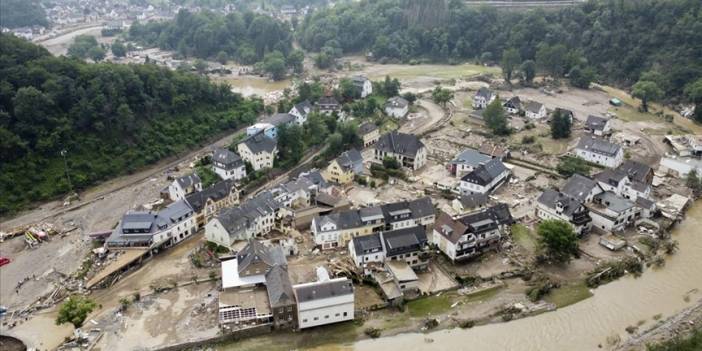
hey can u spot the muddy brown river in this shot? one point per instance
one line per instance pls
(587, 324)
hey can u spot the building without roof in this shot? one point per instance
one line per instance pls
(407, 149)
(326, 301)
(485, 178)
(599, 151)
(228, 165)
(471, 235)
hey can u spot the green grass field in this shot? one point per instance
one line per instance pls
(408, 72)
(568, 294)
(524, 237)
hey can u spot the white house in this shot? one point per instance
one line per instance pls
(407, 149)
(599, 151)
(483, 97)
(397, 107)
(259, 150)
(610, 212)
(535, 110)
(254, 218)
(405, 245)
(556, 205)
(513, 106)
(228, 165)
(485, 178)
(300, 111)
(363, 85)
(598, 126)
(328, 105)
(467, 161)
(184, 185)
(152, 230)
(324, 302)
(471, 235)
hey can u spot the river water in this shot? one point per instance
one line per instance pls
(589, 323)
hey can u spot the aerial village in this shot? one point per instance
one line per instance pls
(428, 213)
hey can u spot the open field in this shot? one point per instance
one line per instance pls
(252, 85)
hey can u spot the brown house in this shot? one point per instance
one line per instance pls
(281, 298)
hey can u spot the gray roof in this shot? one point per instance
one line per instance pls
(259, 143)
(476, 222)
(399, 143)
(473, 200)
(579, 187)
(416, 208)
(149, 223)
(367, 243)
(366, 128)
(533, 106)
(610, 176)
(596, 122)
(323, 290)
(280, 292)
(404, 240)
(637, 171)
(328, 102)
(236, 219)
(188, 180)
(514, 102)
(279, 119)
(643, 202)
(486, 173)
(359, 80)
(419, 208)
(598, 146)
(471, 157)
(613, 202)
(315, 177)
(550, 198)
(255, 252)
(484, 92)
(396, 102)
(216, 192)
(304, 107)
(229, 159)
(351, 160)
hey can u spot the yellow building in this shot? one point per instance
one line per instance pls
(369, 132)
(343, 169)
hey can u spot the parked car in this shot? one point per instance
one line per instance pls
(4, 261)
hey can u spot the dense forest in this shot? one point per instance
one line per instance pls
(617, 39)
(245, 37)
(22, 13)
(110, 119)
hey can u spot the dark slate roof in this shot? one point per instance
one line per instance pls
(315, 177)
(533, 106)
(367, 244)
(578, 187)
(514, 102)
(637, 171)
(471, 157)
(643, 202)
(328, 101)
(399, 143)
(610, 176)
(342, 220)
(613, 202)
(484, 92)
(323, 290)
(351, 160)
(188, 180)
(550, 198)
(476, 222)
(366, 128)
(596, 122)
(255, 251)
(485, 173)
(279, 119)
(280, 291)
(236, 218)
(396, 102)
(228, 158)
(599, 146)
(216, 192)
(473, 200)
(359, 80)
(303, 107)
(404, 240)
(417, 208)
(259, 143)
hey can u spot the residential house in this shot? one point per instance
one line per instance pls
(499, 152)
(405, 214)
(300, 111)
(299, 192)
(154, 230)
(324, 302)
(535, 110)
(397, 107)
(598, 126)
(556, 205)
(619, 182)
(599, 151)
(637, 171)
(484, 178)
(259, 150)
(471, 235)
(363, 85)
(581, 188)
(328, 105)
(403, 276)
(407, 149)
(513, 106)
(288, 10)
(611, 212)
(483, 97)
(267, 129)
(184, 185)
(228, 165)
(281, 297)
(407, 245)
(367, 249)
(344, 168)
(466, 162)
(208, 202)
(469, 202)
(269, 125)
(369, 133)
(254, 218)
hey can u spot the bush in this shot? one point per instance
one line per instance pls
(372, 332)
(75, 310)
(528, 139)
(466, 324)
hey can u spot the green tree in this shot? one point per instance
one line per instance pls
(694, 182)
(274, 64)
(96, 53)
(296, 61)
(510, 62)
(441, 96)
(552, 59)
(496, 119)
(348, 91)
(560, 124)
(558, 240)
(82, 46)
(290, 145)
(529, 70)
(570, 165)
(647, 91)
(323, 60)
(581, 77)
(200, 66)
(75, 310)
(118, 49)
(694, 93)
(222, 57)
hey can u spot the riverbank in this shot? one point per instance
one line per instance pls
(681, 325)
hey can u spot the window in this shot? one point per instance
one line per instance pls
(326, 317)
(345, 314)
(316, 318)
(336, 315)
(304, 320)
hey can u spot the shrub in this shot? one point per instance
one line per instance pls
(75, 310)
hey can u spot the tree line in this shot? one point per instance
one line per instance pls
(613, 41)
(110, 119)
(22, 13)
